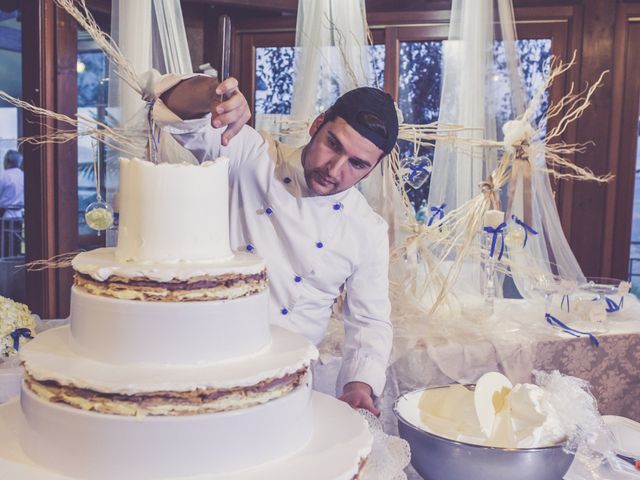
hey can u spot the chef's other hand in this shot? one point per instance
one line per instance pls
(359, 395)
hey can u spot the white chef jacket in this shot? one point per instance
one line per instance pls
(313, 246)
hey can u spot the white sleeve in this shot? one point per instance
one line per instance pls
(368, 330)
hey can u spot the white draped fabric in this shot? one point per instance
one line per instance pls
(331, 56)
(472, 89)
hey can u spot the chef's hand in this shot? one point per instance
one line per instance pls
(202, 94)
(233, 112)
(359, 395)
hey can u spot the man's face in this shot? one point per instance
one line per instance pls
(337, 157)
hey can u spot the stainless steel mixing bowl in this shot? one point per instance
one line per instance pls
(438, 458)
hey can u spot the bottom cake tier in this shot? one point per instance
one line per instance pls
(337, 449)
(87, 445)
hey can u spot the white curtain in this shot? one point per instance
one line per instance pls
(331, 56)
(471, 92)
(471, 87)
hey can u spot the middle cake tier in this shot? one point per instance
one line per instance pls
(56, 372)
(118, 331)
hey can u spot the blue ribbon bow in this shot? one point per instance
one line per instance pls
(416, 170)
(437, 211)
(495, 232)
(554, 322)
(17, 333)
(527, 229)
(612, 306)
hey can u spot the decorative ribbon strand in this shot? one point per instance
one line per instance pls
(565, 298)
(499, 230)
(17, 333)
(527, 229)
(554, 322)
(612, 306)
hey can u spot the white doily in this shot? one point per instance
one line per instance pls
(389, 456)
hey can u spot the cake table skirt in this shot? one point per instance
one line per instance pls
(90, 445)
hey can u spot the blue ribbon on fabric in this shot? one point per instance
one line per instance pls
(565, 298)
(527, 229)
(437, 211)
(612, 306)
(17, 333)
(554, 322)
(494, 239)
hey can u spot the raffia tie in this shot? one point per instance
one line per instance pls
(521, 167)
(488, 189)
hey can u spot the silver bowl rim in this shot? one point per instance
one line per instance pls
(458, 442)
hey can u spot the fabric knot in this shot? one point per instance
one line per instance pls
(147, 82)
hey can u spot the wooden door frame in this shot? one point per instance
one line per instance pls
(49, 80)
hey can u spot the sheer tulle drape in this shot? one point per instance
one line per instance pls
(470, 94)
(331, 56)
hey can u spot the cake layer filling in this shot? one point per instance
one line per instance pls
(101, 263)
(202, 287)
(52, 356)
(167, 403)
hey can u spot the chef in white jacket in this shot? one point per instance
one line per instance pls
(298, 208)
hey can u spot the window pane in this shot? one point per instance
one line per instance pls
(12, 242)
(92, 102)
(420, 83)
(275, 77)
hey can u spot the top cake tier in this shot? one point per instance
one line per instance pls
(173, 212)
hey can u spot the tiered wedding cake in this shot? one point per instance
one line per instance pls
(169, 367)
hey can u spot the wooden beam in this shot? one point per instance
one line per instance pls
(256, 5)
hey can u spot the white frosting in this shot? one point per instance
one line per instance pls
(129, 331)
(101, 263)
(534, 420)
(51, 356)
(527, 420)
(173, 212)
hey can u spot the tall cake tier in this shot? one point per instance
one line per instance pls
(173, 212)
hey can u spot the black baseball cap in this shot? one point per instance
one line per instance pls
(374, 101)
